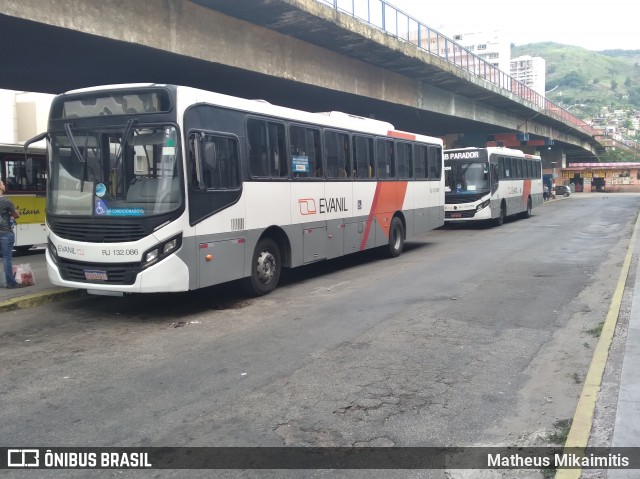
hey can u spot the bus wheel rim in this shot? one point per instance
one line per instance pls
(266, 268)
(396, 238)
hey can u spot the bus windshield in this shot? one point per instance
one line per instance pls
(133, 171)
(466, 177)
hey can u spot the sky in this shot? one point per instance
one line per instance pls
(594, 25)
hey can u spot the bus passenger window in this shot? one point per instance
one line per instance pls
(385, 155)
(421, 165)
(220, 163)
(277, 161)
(435, 162)
(306, 161)
(363, 157)
(266, 149)
(257, 138)
(404, 160)
(338, 159)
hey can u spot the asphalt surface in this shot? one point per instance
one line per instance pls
(627, 417)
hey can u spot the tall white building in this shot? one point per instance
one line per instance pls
(23, 115)
(530, 71)
(490, 46)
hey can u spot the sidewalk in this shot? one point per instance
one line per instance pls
(42, 292)
(626, 432)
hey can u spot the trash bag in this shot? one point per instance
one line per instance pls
(24, 275)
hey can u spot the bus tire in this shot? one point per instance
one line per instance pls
(266, 266)
(499, 221)
(396, 238)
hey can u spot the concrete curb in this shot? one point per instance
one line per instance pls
(38, 299)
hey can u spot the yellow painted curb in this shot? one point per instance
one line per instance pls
(38, 299)
(582, 420)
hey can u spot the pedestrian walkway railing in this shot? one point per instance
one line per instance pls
(395, 22)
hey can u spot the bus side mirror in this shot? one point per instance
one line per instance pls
(35, 139)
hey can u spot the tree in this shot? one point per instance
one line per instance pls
(573, 79)
(616, 156)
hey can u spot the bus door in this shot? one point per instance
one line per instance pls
(216, 207)
(307, 194)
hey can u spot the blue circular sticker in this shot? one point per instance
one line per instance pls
(101, 189)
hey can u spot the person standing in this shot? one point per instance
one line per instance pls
(8, 213)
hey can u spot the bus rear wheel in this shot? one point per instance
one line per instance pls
(396, 238)
(265, 268)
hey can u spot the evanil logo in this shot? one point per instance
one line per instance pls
(307, 206)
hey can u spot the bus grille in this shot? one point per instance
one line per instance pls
(99, 233)
(122, 273)
(453, 199)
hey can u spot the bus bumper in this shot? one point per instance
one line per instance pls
(169, 275)
(452, 216)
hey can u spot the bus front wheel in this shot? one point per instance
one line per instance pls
(265, 268)
(396, 238)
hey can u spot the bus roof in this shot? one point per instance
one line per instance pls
(18, 149)
(495, 150)
(331, 119)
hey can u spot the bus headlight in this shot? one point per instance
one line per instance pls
(483, 205)
(53, 252)
(169, 246)
(161, 251)
(150, 258)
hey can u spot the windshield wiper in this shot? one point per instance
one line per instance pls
(123, 145)
(76, 151)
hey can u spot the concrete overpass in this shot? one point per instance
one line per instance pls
(298, 53)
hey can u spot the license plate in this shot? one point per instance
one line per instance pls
(93, 275)
(456, 215)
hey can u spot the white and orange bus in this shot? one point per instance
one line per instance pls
(490, 184)
(167, 188)
(24, 173)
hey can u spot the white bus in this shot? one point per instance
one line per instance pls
(490, 184)
(166, 188)
(24, 174)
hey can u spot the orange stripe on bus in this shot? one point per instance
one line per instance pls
(526, 191)
(388, 198)
(401, 134)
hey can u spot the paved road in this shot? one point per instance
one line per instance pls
(474, 336)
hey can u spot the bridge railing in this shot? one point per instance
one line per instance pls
(393, 21)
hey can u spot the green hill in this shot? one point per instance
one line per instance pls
(576, 76)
